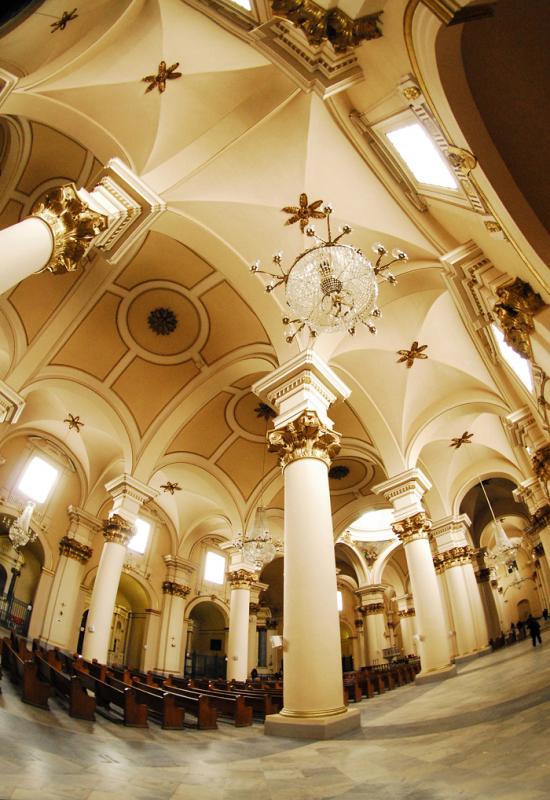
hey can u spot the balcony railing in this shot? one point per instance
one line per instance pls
(14, 614)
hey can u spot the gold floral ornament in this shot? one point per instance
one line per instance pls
(458, 441)
(304, 212)
(73, 225)
(409, 356)
(171, 487)
(164, 74)
(63, 21)
(74, 423)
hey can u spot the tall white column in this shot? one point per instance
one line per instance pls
(254, 607)
(60, 626)
(301, 392)
(405, 492)
(406, 613)
(373, 609)
(128, 495)
(240, 581)
(172, 628)
(68, 221)
(361, 650)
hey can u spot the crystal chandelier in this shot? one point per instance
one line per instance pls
(504, 551)
(331, 286)
(259, 548)
(20, 532)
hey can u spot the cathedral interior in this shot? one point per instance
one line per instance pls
(274, 388)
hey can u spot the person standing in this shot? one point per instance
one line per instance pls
(534, 630)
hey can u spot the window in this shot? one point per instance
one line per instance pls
(421, 156)
(138, 542)
(520, 366)
(38, 479)
(214, 568)
(339, 600)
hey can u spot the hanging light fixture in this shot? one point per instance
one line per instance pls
(20, 532)
(331, 286)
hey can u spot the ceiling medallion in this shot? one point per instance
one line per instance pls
(331, 286)
(263, 411)
(162, 321)
(458, 441)
(62, 22)
(409, 356)
(171, 487)
(338, 472)
(164, 74)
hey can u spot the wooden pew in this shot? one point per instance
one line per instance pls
(226, 703)
(24, 673)
(134, 714)
(70, 687)
(352, 690)
(197, 705)
(162, 705)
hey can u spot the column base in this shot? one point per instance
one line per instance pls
(458, 660)
(312, 727)
(434, 675)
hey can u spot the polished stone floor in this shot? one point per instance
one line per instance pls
(482, 735)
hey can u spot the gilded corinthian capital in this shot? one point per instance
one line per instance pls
(73, 225)
(241, 579)
(518, 304)
(412, 528)
(118, 530)
(304, 437)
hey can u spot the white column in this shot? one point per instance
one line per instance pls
(128, 495)
(240, 581)
(29, 245)
(172, 628)
(373, 609)
(406, 613)
(301, 392)
(361, 651)
(253, 609)
(61, 620)
(405, 492)
(478, 614)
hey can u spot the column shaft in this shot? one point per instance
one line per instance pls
(375, 636)
(172, 633)
(462, 612)
(237, 640)
(30, 246)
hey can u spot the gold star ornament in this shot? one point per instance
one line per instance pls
(170, 487)
(409, 356)
(164, 74)
(63, 21)
(458, 441)
(303, 212)
(74, 423)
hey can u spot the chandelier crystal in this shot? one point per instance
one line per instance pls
(504, 551)
(331, 286)
(259, 548)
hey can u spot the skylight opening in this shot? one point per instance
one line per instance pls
(38, 479)
(339, 601)
(246, 4)
(421, 156)
(138, 542)
(520, 366)
(214, 568)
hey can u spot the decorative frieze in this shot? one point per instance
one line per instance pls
(517, 306)
(540, 519)
(304, 437)
(372, 608)
(118, 530)
(241, 579)
(407, 612)
(454, 557)
(175, 589)
(253, 608)
(541, 463)
(412, 528)
(72, 548)
(73, 226)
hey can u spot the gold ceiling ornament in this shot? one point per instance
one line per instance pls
(304, 437)
(541, 462)
(73, 224)
(409, 356)
(164, 74)
(171, 487)
(333, 25)
(63, 21)
(263, 411)
(458, 441)
(462, 160)
(517, 306)
(74, 423)
(304, 212)
(331, 286)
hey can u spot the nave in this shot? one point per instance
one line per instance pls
(482, 736)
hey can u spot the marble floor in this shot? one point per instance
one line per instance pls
(482, 735)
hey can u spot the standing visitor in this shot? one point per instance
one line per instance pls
(534, 630)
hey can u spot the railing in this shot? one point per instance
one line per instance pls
(15, 614)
